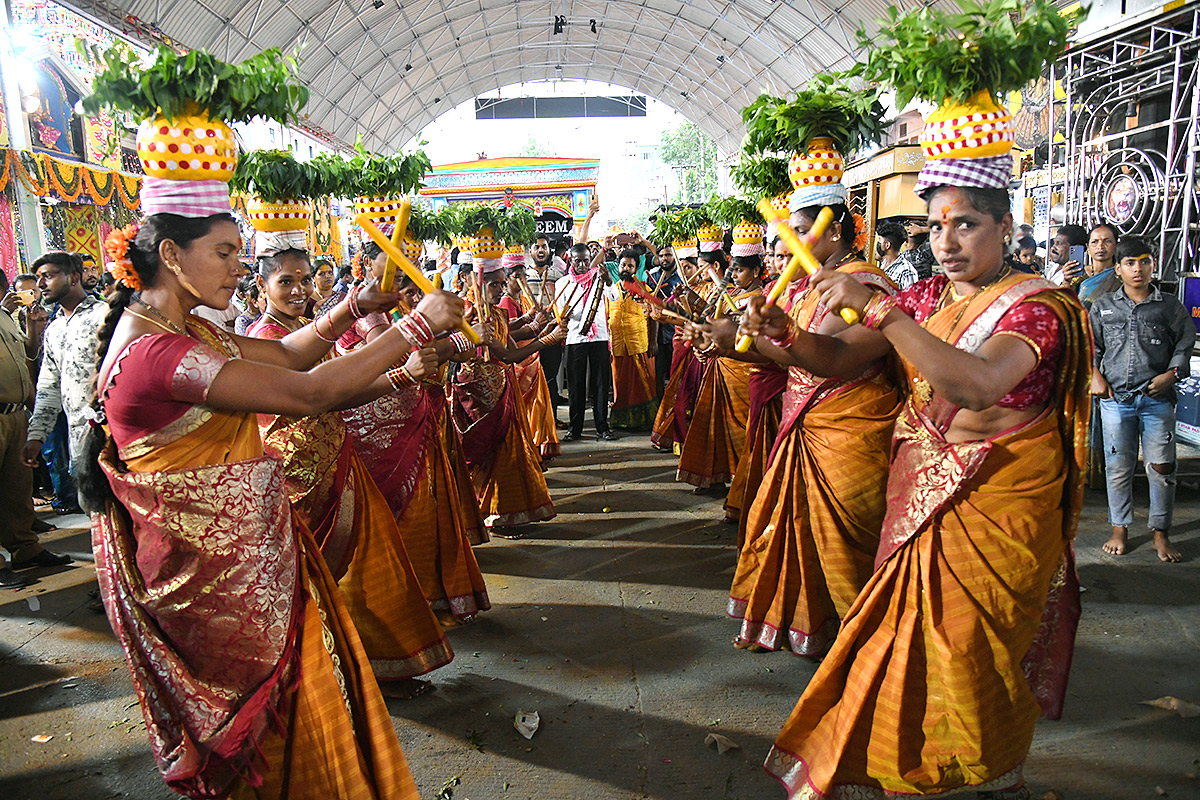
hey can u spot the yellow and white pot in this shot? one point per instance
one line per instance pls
(977, 128)
(192, 148)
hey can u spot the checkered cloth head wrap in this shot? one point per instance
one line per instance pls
(195, 199)
(739, 249)
(510, 260)
(386, 228)
(465, 258)
(687, 252)
(821, 194)
(270, 244)
(486, 265)
(990, 172)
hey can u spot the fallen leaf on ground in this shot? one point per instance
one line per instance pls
(526, 723)
(41, 738)
(1181, 707)
(723, 743)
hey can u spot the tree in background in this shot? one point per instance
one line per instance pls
(533, 147)
(693, 156)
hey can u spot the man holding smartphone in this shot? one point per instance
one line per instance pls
(1065, 259)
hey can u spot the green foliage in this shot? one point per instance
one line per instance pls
(264, 85)
(762, 177)
(995, 46)
(536, 149)
(695, 156)
(425, 226)
(513, 226)
(669, 227)
(387, 176)
(828, 106)
(275, 175)
(729, 211)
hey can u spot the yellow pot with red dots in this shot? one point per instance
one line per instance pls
(781, 203)
(377, 209)
(746, 232)
(190, 148)
(710, 234)
(484, 244)
(683, 244)
(978, 128)
(412, 249)
(822, 164)
(274, 217)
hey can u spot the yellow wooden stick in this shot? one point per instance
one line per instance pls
(365, 222)
(389, 269)
(802, 258)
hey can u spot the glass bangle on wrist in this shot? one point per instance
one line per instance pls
(876, 310)
(317, 328)
(399, 377)
(789, 336)
(352, 300)
(416, 329)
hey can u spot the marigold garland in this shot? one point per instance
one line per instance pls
(67, 189)
(116, 244)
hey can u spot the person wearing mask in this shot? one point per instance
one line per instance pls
(889, 238)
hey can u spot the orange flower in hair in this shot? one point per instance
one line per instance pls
(356, 266)
(116, 244)
(860, 233)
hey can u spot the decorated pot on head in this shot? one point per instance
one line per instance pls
(780, 202)
(378, 209)
(967, 144)
(821, 164)
(712, 237)
(271, 216)
(685, 248)
(278, 225)
(748, 239)
(413, 249)
(514, 256)
(486, 247)
(192, 148)
(816, 176)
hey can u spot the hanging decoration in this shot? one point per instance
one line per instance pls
(45, 175)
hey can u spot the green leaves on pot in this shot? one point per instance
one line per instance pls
(514, 226)
(384, 176)
(265, 85)
(729, 211)
(762, 177)
(275, 175)
(828, 106)
(668, 228)
(996, 46)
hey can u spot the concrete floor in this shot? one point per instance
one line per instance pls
(609, 622)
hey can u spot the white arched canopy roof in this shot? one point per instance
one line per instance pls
(387, 72)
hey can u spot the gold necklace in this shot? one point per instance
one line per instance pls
(282, 324)
(158, 319)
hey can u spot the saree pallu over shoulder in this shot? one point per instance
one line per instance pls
(964, 633)
(664, 432)
(199, 569)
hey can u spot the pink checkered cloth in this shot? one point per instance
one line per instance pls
(184, 198)
(747, 250)
(992, 172)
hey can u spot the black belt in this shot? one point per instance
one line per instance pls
(11, 408)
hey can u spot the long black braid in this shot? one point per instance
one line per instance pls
(94, 491)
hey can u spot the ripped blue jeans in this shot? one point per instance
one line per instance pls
(1151, 422)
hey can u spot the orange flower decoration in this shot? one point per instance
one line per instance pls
(860, 233)
(116, 244)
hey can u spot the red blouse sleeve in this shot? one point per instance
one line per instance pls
(920, 300)
(510, 305)
(156, 380)
(1039, 327)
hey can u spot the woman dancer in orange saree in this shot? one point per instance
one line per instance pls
(716, 433)
(767, 382)
(531, 381)
(967, 625)
(488, 412)
(332, 490)
(251, 676)
(813, 526)
(402, 438)
(679, 396)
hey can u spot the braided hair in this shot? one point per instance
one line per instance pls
(94, 490)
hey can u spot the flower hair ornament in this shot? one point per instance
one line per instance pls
(116, 244)
(860, 233)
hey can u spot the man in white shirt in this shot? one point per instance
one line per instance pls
(580, 298)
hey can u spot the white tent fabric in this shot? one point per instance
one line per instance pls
(389, 71)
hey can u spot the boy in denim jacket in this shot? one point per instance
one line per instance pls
(1144, 344)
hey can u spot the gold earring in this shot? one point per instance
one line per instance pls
(175, 270)
(836, 238)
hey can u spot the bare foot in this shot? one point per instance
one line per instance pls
(406, 689)
(1120, 539)
(1165, 551)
